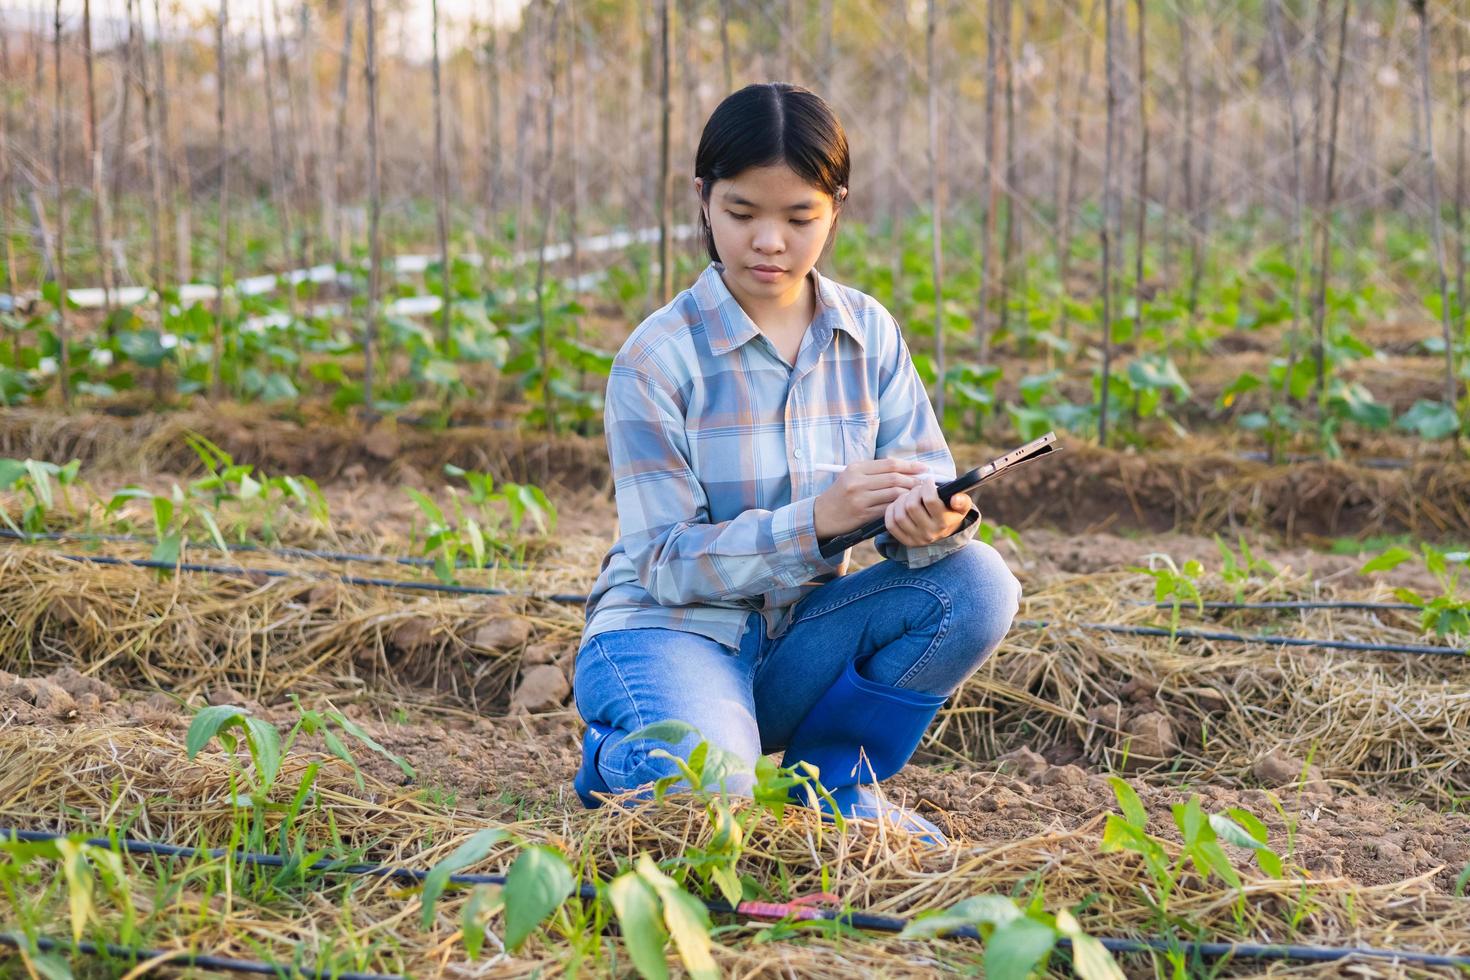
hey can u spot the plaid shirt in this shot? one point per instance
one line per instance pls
(712, 437)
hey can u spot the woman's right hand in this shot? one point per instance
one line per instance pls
(863, 492)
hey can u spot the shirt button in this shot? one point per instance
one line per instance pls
(796, 453)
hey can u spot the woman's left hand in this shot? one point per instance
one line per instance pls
(919, 517)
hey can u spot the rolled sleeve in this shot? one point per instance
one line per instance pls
(679, 555)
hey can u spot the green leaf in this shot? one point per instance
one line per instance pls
(1231, 832)
(470, 852)
(688, 922)
(537, 884)
(1090, 958)
(265, 748)
(207, 723)
(1252, 824)
(989, 910)
(1392, 558)
(11, 470)
(1128, 800)
(356, 731)
(686, 918)
(484, 901)
(1017, 948)
(637, 907)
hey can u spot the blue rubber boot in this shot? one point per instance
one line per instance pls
(858, 733)
(588, 779)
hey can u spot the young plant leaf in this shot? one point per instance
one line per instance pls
(537, 884)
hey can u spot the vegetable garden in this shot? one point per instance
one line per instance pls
(305, 325)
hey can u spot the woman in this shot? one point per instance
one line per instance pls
(715, 606)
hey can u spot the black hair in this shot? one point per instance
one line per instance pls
(765, 125)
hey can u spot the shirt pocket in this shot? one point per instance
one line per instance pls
(859, 438)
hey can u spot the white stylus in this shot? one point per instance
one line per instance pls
(839, 467)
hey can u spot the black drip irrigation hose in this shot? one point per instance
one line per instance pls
(578, 599)
(1280, 641)
(1346, 604)
(760, 910)
(356, 580)
(332, 556)
(168, 957)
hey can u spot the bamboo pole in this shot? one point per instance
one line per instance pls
(155, 175)
(1011, 242)
(299, 145)
(1301, 257)
(1141, 228)
(375, 192)
(1460, 72)
(935, 231)
(183, 177)
(58, 147)
(223, 246)
(665, 161)
(441, 184)
(1109, 204)
(1064, 260)
(548, 159)
(278, 180)
(316, 172)
(7, 182)
(1324, 217)
(896, 197)
(124, 113)
(988, 179)
(94, 154)
(494, 174)
(1434, 217)
(339, 144)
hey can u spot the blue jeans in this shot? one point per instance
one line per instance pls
(923, 629)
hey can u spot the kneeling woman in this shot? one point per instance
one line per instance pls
(715, 606)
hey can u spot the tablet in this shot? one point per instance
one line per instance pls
(1035, 449)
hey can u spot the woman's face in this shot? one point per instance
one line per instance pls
(769, 226)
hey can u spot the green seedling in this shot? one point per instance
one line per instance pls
(83, 868)
(1238, 572)
(1018, 942)
(538, 883)
(33, 479)
(1445, 614)
(1175, 585)
(1202, 836)
(473, 537)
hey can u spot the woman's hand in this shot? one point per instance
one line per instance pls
(919, 517)
(863, 491)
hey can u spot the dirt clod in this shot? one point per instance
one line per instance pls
(1276, 769)
(542, 688)
(502, 633)
(413, 634)
(1022, 763)
(1150, 740)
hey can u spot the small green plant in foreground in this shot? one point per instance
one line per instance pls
(1174, 584)
(499, 513)
(33, 478)
(1202, 835)
(1018, 942)
(1446, 614)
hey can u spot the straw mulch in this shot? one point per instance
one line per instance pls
(72, 778)
(1389, 722)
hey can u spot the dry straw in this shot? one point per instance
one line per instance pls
(78, 779)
